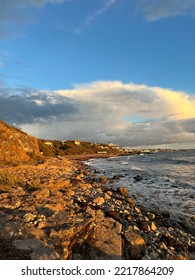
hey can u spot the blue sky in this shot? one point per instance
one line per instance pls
(53, 52)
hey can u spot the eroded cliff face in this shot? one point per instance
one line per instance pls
(15, 145)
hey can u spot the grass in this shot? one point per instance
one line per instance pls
(7, 181)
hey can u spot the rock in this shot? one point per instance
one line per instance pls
(29, 217)
(42, 194)
(151, 216)
(15, 145)
(69, 193)
(41, 251)
(154, 256)
(123, 191)
(11, 203)
(138, 178)
(163, 246)
(115, 177)
(137, 210)
(98, 201)
(107, 197)
(105, 242)
(134, 245)
(13, 229)
(103, 179)
(36, 232)
(152, 226)
(131, 201)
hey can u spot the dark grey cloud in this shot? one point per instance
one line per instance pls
(31, 106)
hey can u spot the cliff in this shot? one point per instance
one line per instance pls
(15, 145)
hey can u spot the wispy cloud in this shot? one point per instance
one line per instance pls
(13, 13)
(104, 111)
(92, 17)
(161, 9)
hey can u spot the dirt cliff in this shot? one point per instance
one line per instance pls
(15, 145)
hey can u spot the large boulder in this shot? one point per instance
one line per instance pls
(15, 145)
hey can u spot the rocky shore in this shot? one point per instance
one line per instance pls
(61, 209)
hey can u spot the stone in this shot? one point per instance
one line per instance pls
(163, 246)
(40, 250)
(138, 178)
(98, 201)
(134, 245)
(123, 191)
(137, 210)
(37, 232)
(131, 201)
(107, 197)
(154, 256)
(45, 193)
(152, 226)
(105, 242)
(15, 145)
(29, 217)
(103, 179)
(12, 229)
(151, 216)
(11, 203)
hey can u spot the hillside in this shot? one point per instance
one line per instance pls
(70, 147)
(16, 146)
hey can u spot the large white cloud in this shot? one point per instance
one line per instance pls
(159, 9)
(103, 111)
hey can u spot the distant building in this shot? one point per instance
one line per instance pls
(77, 142)
(48, 143)
(102, 152)
(113, 145)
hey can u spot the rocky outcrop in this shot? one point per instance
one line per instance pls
(15, 145)
(62, 210)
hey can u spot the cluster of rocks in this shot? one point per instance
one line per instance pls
(62, 210)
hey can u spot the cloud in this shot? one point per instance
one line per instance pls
(161, 9)
(32, 106)
(92, 17)
(103, 111)
(14, 13)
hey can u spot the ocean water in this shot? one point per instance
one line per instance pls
(164, 181)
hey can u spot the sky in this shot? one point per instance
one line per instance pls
(104, 71)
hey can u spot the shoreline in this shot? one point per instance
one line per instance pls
(84, 157)
(61, 209)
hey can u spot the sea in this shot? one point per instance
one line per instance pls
(164, 181)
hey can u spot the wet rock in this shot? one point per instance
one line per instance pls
(138, 178)
(151, 216)
(123, 191)
(103, 179)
